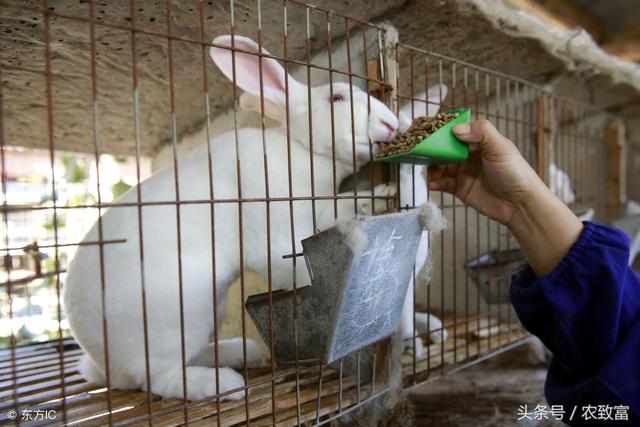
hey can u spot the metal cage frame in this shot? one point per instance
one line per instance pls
(546, 128)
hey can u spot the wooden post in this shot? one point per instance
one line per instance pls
(614, 144)
(373, 69)
(542, 140)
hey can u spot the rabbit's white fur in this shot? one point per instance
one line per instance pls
(121, 262)
(560, 184)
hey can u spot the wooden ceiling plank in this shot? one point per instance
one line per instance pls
(562, 14)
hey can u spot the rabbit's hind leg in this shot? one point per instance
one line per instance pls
(200, 382)
(422, 323)
(412, 344)
(90, 371)
(428, 323)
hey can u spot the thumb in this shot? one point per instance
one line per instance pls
(484, 133)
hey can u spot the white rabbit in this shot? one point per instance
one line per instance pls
(413, 192)
(122, 265)
(560, 184)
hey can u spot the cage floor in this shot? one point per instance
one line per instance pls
(39, 382)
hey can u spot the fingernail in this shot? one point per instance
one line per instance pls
(462, 129)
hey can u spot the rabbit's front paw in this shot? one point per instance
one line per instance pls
(383, 190)
(380, 205)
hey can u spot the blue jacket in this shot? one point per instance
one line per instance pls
(587, 312)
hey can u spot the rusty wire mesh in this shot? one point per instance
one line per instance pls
(547, 130)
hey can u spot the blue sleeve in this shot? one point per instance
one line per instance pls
(587, 312)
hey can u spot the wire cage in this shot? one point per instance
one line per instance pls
(81, 105)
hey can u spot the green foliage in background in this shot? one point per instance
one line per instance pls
(119, 188)
(59, 223)
(75, 169)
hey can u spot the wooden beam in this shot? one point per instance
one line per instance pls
(614, 140)
(630, 32)
(541, 140)
(625, 43)
(562, 14)
(625, 49)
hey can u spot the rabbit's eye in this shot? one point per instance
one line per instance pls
(337, 98)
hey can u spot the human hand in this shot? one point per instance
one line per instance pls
(498, 182)
(495, 179)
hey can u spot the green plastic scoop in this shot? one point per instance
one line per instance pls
(438, 148)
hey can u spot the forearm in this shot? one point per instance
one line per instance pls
(545, 228)
(587, 312)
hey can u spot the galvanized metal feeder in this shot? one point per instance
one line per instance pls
(492, 273)
(631, 226)
(360, 271)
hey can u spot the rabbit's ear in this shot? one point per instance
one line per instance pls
(407, 113)
(249, 102)
(247, 69)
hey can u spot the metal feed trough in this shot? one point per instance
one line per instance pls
(492, 273)
(631, 227)
(360, 271)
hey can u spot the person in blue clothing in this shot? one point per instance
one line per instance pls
(578, 294)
